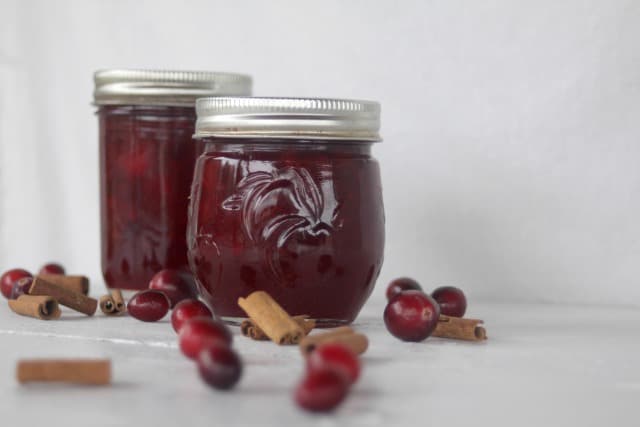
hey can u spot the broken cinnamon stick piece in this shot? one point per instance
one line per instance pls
(251, 330)
(116, 295)
(358, 343)
(107, 305)
(269, 316)
(39, 307)
(73, 283)
(460, 328)
(77, 371)
(64, 296)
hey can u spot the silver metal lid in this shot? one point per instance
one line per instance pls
(160, 87)
(300, 118)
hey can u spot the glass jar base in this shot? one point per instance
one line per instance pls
(320, 323)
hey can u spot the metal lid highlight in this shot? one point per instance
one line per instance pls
(164, 87)
(294, 118)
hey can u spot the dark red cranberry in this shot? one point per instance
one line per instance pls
(400, 285)
(175, 284)
(200, 333)
(186, 310)
(411, 315)
(148, 306)
(321, 390)
(21, 287)
(9, 278)
(52, 268)
(219, 366)
(335, 356)
(451, 300)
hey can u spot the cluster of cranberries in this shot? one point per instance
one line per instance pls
(331, 370)
(17, 281)
(201, 337)
(412, 315)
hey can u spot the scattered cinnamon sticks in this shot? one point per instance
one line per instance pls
(460, 328)
(271, 318)
(251, 330)
(345, 335)
(77, 371)
(64, 296)
(39, 307)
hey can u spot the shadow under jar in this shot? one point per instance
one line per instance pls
(147, 157)
(287, 199)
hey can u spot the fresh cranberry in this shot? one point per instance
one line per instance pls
(9, 278)
(400, 285)
(186, 310)
(176, 285)
(219, 366)
(335, 356)
(199, 333)
(21, 287)
(322, 390)
(52, 268)
(451, 300)
(148, 306)
(411, 315)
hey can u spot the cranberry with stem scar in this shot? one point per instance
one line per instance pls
(451, 300)
(400, 285)
(186, 310)
(199, 333)
(9, 278)
(219, 366)
(321, 390)
(176, 285)
(21, 287)
(148, 306)
(411, 315)
(52, 268)
(335, 356)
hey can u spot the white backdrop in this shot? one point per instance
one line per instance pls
(511, 152)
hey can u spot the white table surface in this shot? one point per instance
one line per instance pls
(542, 366)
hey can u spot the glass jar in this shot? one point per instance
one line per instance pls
(287, 199)
(147, 157)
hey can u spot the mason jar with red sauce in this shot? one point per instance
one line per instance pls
(147, 156)
(287, 199)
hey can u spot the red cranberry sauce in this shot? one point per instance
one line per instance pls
(301, 220)
(147, 157)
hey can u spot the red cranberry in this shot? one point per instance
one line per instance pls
(451, 300)
(322, 390)
(219, 366)
(337, 357)
(186, 310)
(411, 315)
(176, 285)
(21, 287)
(148, 306)
(52, 268)
(9, 278)
(199, 333)
(400, 285)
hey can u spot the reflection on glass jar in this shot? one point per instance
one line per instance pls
(299, 217)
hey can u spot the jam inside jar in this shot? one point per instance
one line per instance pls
(298, 218)
(147, 158)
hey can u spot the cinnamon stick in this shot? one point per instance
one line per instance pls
(64, 296)
(116, 295)
(73, 283)
(460, 328)
(39, 307)
(112, 304)
(77, 371)
(358, 343)
(251, 330)
(269, 316)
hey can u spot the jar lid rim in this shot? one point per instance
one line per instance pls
(280, 117)
(119, 86)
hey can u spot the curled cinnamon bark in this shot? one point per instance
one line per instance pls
(460, 328)
(358, 343)
(39, 307)
(78, 371)
(251, 330)
(73, 283)
(269, 316)
(64, 296)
